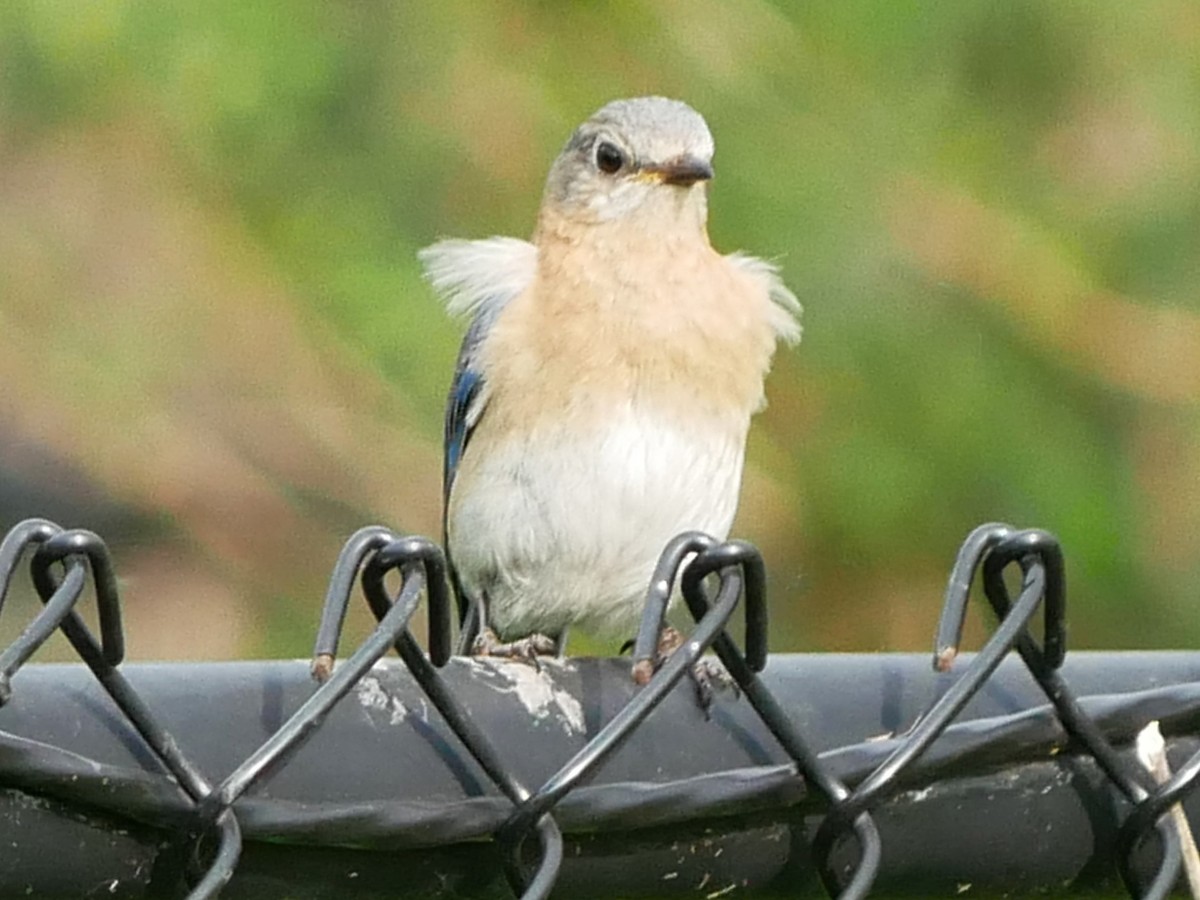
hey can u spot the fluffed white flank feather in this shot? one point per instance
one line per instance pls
(785, 318)
(478, 276)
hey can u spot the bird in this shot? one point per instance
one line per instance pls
(604, 388)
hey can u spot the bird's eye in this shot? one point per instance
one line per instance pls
(609, 158)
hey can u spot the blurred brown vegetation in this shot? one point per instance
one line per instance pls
(215, 348)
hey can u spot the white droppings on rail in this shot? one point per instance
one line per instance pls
(537, 692)
(372, 696)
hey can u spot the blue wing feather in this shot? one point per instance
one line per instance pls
(464, 390)
(464, 406)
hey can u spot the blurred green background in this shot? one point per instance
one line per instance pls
(216, 350)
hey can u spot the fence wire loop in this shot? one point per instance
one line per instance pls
(987, 542)
(1027, 548)
(1000, 545)
(59, 596)
(747, 560)
(79, 543)
(854, 880)
(408, 553)
(709, 624)
(31, 532)
(1040, 558)
(377, 551)
(366, 544)
(206, 869)
(394, 615)
(60, 593)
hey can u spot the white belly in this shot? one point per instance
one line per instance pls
(559, 532)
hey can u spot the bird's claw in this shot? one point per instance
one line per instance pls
(707, 674)
(527, 649)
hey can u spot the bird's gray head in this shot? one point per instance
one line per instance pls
(647, 154)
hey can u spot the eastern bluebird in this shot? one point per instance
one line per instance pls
(605, 386)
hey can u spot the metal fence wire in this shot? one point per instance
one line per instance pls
(173, 830)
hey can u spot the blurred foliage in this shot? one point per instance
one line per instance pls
(215, 347)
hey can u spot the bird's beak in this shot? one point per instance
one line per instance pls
(683, 171)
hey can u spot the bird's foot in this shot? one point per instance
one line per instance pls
(707, 674)
(527, 649)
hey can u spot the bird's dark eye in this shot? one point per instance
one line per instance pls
(609, 159)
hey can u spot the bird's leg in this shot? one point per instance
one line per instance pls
(560, 643)
(469, 630)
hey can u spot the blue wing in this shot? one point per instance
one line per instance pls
(464, 406)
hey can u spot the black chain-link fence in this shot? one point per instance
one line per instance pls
(431, 777)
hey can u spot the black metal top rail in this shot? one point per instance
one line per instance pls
(811, 764)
